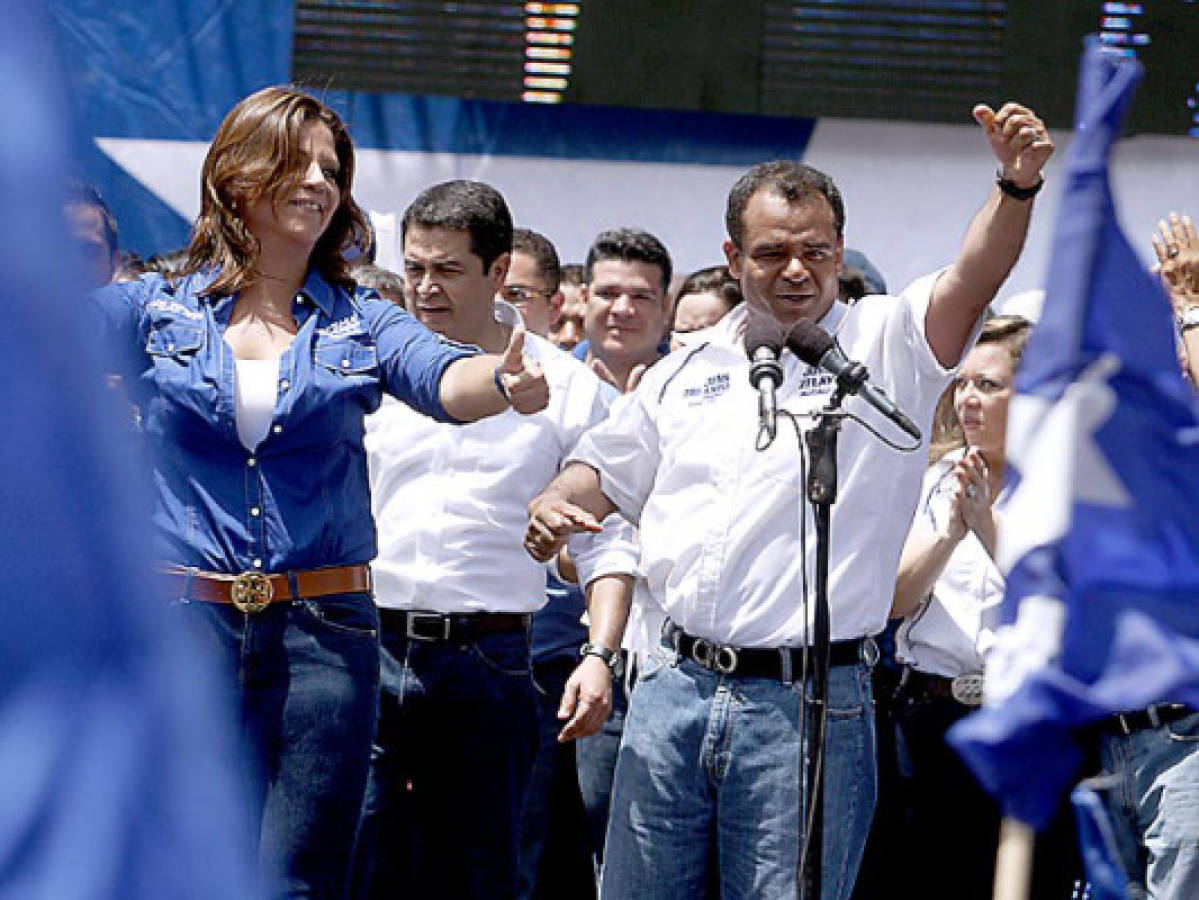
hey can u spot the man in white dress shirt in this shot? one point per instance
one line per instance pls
(457, 725)
(706, 785)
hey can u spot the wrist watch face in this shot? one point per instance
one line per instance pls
(1189, 318)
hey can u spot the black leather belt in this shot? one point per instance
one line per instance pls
(1149, 717)
(456, 628)
(762, 662)
(964, 689)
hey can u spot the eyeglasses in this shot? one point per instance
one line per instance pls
(515, 293)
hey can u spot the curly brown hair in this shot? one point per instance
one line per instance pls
(256, 153)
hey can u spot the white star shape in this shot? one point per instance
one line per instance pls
(1052, 444)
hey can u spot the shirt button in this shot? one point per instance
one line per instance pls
(345, 363)
(255, 511)
(170, 347)
(284, 384)
(256, 562)
(278, 429)
(251, 462)
(299, 298)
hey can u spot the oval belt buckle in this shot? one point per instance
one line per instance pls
(725, 660)
(967, 689)
(252, 592)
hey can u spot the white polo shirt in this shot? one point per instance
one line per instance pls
(451, 501)
(720, 522)
(951, 631)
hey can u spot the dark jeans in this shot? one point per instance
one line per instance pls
(555, 840)
(954, 828)
(955, 825)
(457, 731)
(304, 677)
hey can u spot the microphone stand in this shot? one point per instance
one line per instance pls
(822, 493)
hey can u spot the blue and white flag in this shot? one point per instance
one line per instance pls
(1101, 539)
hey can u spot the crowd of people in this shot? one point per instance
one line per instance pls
(504, 590)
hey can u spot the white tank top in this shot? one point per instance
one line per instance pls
(254, 398)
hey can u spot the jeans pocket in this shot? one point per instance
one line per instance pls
(505, 654)
(651, 663)
(348, 614)
(849, 693)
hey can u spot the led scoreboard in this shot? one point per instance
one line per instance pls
(927, 60)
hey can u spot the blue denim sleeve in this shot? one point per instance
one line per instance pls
(412, 358)
(116, 313)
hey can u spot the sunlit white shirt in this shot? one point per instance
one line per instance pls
(951, 631)
(450, 501)
(721, 522)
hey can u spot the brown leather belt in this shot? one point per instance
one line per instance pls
(252, 592)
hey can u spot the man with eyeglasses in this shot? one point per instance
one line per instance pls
(455, 589)
(532, 282)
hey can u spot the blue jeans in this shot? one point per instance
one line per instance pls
(1154, 807)
(707, 786)
(304, 677)
(457, 733)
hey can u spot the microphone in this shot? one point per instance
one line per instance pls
(816, 347)
(763, 345)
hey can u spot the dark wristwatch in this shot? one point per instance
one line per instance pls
(1014, 190)
(611, 658)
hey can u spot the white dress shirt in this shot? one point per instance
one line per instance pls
(451, 501)
(951, 631)
(721, 522)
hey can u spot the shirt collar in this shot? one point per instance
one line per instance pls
(315, 288)
(731, 329)
(319, 292)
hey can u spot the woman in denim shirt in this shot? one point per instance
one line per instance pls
(252, 373)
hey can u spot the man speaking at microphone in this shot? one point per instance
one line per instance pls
(706, 788)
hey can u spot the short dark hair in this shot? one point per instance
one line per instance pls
(80, 193)
(714, 279)
(629, 245)
(169, 265)
(573, 273)
(470, 206)
(793, 181)
(377, 278)
(541, 249)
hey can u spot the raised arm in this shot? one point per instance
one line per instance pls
(1177, 248)
(479, 386)
(996, 234)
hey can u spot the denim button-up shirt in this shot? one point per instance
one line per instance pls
(300, 500)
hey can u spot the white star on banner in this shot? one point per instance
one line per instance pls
(1051, 443)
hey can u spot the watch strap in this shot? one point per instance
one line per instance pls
(1014, 190)
(610, 657)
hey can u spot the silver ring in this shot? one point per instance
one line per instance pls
(971, 491)
(1172, 251)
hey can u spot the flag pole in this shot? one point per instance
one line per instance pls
(1013, 860)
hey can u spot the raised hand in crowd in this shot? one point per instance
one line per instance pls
(1177, 247)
